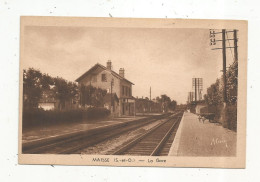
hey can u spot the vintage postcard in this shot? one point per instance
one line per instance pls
(133, 92)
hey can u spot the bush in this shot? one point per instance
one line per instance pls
(214, 97)
(232, 117)
(96, 113)
(39, 117)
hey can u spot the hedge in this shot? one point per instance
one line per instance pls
(39, 117)
(231, 115)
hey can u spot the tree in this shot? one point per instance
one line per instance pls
(165, 101)
(232, 83)
(46, 82)
(64, 91)
(32, 87)
(92, 96)
(158, 99)
(36, 83)
(214, 97)
(214, 94)
(173, 105)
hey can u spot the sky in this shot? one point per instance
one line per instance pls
(165, 59)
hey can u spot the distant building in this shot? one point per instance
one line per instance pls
(47, 101)
(103, 77)
(147, 106)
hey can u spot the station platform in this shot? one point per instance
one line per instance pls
(42, 133)
(195, 138)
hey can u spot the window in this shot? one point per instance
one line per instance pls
(94, 78)
(112, 82)
(103, 77)
(123, 90)
(130, 93)
(126, 91)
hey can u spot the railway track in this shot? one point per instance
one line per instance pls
(74, 144)
(155, 142)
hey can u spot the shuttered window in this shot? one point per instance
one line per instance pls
(103, 77)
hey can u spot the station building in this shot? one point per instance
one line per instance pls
(116, 84)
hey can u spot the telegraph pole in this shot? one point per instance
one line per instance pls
(150, 92)
(150, 106)
(195, 89)
(213, 42)
(197, 85)
(112, 82)
(235, 45)
(224, 65)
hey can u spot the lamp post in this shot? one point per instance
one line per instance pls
(112, 83)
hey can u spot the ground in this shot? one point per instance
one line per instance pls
(195, 138)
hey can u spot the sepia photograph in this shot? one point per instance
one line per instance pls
(133, 92)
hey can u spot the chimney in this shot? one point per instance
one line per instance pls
(109, 65)
(122, 72)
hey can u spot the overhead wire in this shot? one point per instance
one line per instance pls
(230, 47)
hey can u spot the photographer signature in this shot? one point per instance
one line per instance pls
(216, 141)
